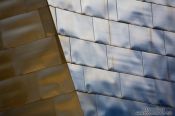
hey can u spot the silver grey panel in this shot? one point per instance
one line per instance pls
(140, 38)
(162, 2)
(109, 106)
(134, 12)
(53, 13)
(124, 60)
(101, 30)
(72, 5)
(88, 104)
(96, 8)
(138, 88)
(102, 82)
(88, 53)
(155, 65)
(158, 41)
(65, 43)
(112, 9)
(79, 26)
(119, 33)
(170, 43)
(77, 75)
(163, 18)
(171, 68)
(165, 93)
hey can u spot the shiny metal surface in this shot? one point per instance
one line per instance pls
(72, 5)
(124, 60)
(96, 8)
(158, 41)
(170, 43)
(155, 66)
(79, 26)
(107, 83)
(101, 30)
(138, 88)
(171, 67)
(165, 92)
(77, 73)
(35, 79)
(88, 104)
(65, 42)
(163, 18)
(88, 53)
(140, 38)
(112, 10)
(135, 12)
(116, 33)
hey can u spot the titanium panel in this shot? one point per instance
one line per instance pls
(112, 10)
(109, 106)
(171, 68)
(54, 81)
(96, 8)
(102, 82)
(119, 34)
(88, 104)
(80, 26)
(155, 66)
(101, 30)
(170, 43)
(120, 59)
(158, 41)
(163, 18)
(134, 12)
(138, 88)
(88, 53)
(17, 30)
(65, 43)
(77, 74)
(165, 93)
(140, 38)
(36, 56)
(72, 5)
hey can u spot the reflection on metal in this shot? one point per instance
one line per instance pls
(34, 77)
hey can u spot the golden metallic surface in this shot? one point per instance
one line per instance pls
(34, 77)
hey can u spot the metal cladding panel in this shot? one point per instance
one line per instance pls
(166, 93)
(77, 74)
(120, 59)
(35, 79)
(51, 107)
(79, 26)
(162, 2)
(88, 53)
(112, 10)
(65, 43)
(140, 38)
(72, 5)
(15, 29)
(170, 43)
(134, 12)
(88, 104)
(107, 83)
(101, 30)
(163, 18)
(96, 8)
(116, 33)
(138, 88)
(158, 41)
(171, 67)
(155, 66)
(109, 106)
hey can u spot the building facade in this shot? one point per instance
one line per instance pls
(87, 57)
